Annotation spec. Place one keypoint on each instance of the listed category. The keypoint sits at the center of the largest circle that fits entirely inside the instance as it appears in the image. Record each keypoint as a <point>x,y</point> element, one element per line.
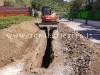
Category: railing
<point>87,15</point>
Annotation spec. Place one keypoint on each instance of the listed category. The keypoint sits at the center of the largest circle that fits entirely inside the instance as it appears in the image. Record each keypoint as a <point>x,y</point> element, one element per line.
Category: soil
<point>78,52</point>
<point>71,53</point>
<point>20,48</point>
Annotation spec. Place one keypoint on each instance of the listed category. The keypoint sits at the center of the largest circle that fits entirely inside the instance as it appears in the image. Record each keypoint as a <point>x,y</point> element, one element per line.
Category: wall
<point>89,22</point>
<point>94,23</point>
<point>12,11</point>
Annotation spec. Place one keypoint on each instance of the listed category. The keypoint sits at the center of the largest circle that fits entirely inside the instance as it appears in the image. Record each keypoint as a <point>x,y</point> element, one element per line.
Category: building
<point>87,1</point>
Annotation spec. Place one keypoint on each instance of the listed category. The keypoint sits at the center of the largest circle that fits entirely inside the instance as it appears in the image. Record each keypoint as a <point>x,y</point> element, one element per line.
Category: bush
<point>6,22</point>
<point>7,3</point>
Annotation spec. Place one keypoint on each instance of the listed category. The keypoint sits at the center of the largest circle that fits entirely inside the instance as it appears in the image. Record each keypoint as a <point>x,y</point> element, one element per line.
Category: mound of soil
<point>17,41</point>
<point>79,52</point>
<point>72,54</point>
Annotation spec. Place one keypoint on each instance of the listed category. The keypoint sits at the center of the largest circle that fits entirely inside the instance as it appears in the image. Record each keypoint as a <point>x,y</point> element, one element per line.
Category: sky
<point>67,0</point>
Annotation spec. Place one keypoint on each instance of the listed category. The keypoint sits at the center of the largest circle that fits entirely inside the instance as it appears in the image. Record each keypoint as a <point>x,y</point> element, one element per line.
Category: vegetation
<point>77,6</point>
<point>79,9</point>
<point>96,5</point>
<point>57,5</point>
<point>22,3</point>
<point>18,3</point>
<point>7,3</point>
<point>6,22</point>
<point>81,5</point>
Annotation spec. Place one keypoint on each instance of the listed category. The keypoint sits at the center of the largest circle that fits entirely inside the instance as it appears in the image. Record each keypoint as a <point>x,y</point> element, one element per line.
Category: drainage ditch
<point>48,57</point>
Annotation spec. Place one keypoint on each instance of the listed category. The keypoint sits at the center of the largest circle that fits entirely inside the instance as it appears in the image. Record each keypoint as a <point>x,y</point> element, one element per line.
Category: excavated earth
<point>80,55</point>
<point>70,53</point>
<point>21,48</point>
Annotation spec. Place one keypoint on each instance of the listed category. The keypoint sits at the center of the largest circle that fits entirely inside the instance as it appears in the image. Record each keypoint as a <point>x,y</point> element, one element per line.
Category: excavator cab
<point>47,15</point>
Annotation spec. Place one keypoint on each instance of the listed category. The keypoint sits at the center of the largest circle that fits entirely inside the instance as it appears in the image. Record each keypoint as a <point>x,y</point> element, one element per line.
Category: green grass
<point>6,22</point>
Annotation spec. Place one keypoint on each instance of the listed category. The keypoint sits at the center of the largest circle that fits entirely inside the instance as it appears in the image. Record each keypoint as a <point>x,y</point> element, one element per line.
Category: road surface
<point>93,33</point>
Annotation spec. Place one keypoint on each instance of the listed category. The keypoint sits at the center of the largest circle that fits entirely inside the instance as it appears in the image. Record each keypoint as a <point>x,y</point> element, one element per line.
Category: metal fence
<point>13,11</point>
<point>86,15</point>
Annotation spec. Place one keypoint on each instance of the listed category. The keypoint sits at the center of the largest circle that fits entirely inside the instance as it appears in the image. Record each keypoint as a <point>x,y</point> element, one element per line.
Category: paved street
<point>88,31</point>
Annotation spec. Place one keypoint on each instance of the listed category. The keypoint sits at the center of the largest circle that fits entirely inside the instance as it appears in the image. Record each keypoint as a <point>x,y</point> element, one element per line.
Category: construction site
<point>50,45</point>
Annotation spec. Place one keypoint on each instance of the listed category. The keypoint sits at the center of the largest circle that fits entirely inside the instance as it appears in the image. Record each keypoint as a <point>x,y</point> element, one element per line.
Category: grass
<point>6,22</point>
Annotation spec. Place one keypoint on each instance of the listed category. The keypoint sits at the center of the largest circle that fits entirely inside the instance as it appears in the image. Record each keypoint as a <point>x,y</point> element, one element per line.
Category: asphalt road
<point>93,33</point>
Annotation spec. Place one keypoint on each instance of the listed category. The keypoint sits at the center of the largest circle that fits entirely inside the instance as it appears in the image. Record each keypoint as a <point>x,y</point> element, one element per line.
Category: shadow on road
<point>91,32</point>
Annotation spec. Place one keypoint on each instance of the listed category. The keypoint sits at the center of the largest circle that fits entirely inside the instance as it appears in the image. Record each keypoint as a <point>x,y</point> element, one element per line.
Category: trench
<point>48,57</point>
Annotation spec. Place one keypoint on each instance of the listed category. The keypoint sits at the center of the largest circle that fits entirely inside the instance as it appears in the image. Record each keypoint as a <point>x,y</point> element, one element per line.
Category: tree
<point>7,3</point>
<point>57,5</point>
<point>22,3</point>
<point>88,6</point>
<point>96,5</point>
<point>76,5</point>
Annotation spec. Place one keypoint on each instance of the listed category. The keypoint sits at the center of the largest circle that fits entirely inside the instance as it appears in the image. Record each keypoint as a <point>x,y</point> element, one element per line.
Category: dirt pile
<point>79,52</point>
<point>20,45</point>
<point>72,54</point>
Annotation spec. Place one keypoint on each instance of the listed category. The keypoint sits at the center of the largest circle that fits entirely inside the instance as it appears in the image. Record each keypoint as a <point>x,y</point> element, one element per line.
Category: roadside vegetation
<point>82,5</point>
<point>6,22</point>
<point>17,3</point>
<point>86,10</point>
<point>56,5</point>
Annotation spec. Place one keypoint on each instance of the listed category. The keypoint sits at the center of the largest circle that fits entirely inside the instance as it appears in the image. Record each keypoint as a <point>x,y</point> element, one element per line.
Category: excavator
<point>49,19</point>
<point>48,15</point>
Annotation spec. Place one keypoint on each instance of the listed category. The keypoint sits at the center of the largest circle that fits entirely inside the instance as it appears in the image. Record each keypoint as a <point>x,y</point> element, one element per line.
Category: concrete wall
<point>82,21</point>
<point>89,22</point>
<point>79,20</point>
<point>75,20</point>
<point>94,23</point>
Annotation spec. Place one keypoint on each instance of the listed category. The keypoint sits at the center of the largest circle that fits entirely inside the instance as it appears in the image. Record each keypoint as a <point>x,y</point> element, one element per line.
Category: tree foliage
<point>57,5</point>
<point>21,3</point>
<point>96,5</point>
<point>7,3</point>
<point>76,5</point>
<point>81,5</point>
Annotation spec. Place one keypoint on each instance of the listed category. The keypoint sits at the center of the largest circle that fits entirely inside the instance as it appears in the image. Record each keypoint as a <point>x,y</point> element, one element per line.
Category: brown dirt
<point>79,52</point>
<point>14,47</point>
<point>71,55</point>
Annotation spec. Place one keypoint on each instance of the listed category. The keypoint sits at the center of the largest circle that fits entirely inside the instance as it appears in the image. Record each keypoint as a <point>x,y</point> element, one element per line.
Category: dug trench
<point>48,57</point>
<point>69,56</point>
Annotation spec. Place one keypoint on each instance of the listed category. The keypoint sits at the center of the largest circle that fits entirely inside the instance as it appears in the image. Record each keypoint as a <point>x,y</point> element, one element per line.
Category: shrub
<point>7,3</point>
<point>6,22</point>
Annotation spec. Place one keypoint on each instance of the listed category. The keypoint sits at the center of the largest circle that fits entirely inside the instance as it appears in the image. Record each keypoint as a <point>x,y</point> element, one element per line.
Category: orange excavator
<point>49,20</point>
<point>48,15</point>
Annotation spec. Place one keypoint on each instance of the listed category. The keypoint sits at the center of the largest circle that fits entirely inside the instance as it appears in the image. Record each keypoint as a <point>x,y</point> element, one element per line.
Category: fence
<point>13,11</point>
<point>87,15</point>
